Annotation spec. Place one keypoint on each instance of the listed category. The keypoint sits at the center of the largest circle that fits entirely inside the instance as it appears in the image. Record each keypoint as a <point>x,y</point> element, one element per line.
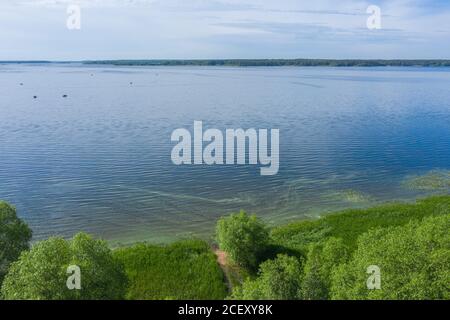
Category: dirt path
<point>222,260</point>
<point>221,257</point>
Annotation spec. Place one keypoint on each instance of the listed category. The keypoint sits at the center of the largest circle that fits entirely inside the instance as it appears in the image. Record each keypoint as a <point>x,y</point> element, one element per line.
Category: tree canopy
<point>322,258</point>
<point>14,237</point>
<point>244,237</point>
<point>278,279</point>
<point>42,272</point>
<point>414,263</point>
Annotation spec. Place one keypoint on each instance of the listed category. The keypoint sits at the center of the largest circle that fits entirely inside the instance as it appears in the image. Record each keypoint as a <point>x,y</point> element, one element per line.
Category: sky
<point>224,29</point>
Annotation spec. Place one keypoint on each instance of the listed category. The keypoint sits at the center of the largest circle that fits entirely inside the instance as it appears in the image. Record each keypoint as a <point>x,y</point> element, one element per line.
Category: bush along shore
<point>394,251</point>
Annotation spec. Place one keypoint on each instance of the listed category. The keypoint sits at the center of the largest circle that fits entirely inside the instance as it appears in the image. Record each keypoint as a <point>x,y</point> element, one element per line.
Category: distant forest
<point>279,63</point>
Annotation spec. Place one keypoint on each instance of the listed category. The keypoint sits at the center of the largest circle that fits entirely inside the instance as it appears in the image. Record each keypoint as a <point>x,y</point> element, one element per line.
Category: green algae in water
<point>436,180</point>
<point>351,196</point>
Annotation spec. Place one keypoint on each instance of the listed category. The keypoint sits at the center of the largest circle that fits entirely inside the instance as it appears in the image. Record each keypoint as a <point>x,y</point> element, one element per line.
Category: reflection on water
<point>98,160</point>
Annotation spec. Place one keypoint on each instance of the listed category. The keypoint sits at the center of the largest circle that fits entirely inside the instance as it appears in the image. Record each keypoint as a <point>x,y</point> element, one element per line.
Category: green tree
<point>41,273</point>
<point>249,290</point>
<point>14,237</point>
<point>322,259</point>
<point>278,279</point>
<point>414,263</point>
<point>244,237</point>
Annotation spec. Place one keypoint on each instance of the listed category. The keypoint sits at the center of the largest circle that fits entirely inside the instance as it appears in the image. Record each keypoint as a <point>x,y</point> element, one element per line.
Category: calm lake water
<point>99,159</point>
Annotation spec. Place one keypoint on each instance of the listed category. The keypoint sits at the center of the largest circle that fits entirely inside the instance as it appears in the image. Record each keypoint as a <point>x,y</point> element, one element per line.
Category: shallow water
<point>99,159</point>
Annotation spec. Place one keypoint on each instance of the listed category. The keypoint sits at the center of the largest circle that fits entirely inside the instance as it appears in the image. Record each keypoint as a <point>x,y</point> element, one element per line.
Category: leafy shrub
<point>414,262</point>
<point>14,237</point>
<point>244,237</point>
<point>322,259</point>
<point>41,273</point>
<point>278,279</point>
<point>350,224</point>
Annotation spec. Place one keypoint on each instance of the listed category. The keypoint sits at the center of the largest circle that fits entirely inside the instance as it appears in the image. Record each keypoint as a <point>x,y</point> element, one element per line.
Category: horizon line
<point>220,59</point>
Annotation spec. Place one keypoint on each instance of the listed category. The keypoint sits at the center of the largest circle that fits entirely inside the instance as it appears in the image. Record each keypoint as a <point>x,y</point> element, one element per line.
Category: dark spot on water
<point>64,95</point>
<point>34,97</point>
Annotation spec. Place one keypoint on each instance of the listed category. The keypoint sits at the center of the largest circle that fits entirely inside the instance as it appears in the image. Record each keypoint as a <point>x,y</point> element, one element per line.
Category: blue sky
<point>196,29</point>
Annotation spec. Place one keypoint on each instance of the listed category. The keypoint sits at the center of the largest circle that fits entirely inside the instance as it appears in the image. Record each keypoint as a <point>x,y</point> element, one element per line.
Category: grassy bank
<point>324,258</point>
<point>348,225</point>
<point>182,270</point>
<point>189,269</point>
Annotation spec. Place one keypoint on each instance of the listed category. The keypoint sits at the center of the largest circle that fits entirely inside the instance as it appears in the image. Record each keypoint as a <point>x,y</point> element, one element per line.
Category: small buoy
<point>64,95</point>
<point>131,83</point>
<point>21,84</point>
<point>34,97</point>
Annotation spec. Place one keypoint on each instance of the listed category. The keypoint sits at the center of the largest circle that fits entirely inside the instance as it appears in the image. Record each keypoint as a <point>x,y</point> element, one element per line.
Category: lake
<point>99,159</point>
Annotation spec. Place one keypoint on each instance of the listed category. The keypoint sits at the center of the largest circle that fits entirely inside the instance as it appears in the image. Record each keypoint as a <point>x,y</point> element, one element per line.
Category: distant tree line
<point>278,63</point>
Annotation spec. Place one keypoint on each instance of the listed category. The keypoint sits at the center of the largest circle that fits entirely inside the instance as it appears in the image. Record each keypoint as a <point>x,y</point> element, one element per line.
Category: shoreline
<point>125,242</point>
<point>145,236</point>
<point>340,63</point>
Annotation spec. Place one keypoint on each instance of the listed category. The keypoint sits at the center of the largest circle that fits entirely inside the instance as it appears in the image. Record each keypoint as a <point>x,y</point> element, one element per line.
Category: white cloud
<point>223,28</point>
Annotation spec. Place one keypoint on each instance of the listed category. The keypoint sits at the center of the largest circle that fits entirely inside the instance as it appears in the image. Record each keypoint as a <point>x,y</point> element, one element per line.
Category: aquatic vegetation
<point>352,196</point>
<point>185,196</point>
<point>436,180</point>
<point>350,224</point>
